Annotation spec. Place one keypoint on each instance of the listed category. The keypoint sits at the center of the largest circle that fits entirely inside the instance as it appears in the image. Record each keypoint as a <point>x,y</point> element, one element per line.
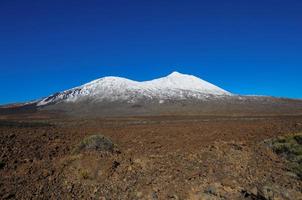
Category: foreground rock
<point>174,157</point>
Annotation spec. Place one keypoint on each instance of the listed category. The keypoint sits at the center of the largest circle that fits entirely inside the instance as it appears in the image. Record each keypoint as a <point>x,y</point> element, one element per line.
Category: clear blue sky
<point>244,46</point>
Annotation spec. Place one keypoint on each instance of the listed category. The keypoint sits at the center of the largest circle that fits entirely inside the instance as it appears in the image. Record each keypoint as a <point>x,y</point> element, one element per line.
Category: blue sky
<point>243,46</point>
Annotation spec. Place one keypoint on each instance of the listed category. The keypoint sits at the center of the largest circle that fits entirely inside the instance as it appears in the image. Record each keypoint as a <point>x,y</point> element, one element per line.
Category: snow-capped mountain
<point>175,94</point>
<point>175,86</point>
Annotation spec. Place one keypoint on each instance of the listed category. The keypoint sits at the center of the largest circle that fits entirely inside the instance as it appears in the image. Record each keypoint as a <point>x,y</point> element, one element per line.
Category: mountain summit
<point>175,86</point>
<point>173,94</point>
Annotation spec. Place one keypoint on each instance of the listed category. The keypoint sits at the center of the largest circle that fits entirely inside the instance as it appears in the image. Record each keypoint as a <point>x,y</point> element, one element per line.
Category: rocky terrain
<point>176,137</point>
<point>155,157</point>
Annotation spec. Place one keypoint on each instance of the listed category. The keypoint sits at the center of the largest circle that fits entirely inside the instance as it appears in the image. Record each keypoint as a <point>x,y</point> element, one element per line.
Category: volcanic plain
<point>154,157</point>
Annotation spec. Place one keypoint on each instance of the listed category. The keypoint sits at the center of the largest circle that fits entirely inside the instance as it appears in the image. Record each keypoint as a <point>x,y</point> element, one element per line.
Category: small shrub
<point>297,149</point>
<point>298,138</point>
<point>84,174</point>
<point>95,142</point>
<point>290,147</point>
<point>299,159</point>
<point>281,140</point>
<point>297,169</point>
<point>281,148</point>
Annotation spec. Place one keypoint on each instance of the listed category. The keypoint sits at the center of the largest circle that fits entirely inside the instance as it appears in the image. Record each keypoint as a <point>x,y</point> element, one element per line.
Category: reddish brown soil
<point>171,157</point>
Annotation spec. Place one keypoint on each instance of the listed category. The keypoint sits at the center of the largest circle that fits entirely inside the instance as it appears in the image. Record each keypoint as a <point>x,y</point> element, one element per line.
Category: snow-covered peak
<point>174,86</point>
<point>176,74</point>
<point>177,80</point>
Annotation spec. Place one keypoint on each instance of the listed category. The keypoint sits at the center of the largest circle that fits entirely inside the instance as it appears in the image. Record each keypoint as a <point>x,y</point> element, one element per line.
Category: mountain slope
<point>175,86</point>
<point>175,94</point>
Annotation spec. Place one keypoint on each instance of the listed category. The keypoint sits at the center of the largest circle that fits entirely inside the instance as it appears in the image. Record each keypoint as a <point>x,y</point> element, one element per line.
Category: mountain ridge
<point>174,94</point>
<point>111,88</point>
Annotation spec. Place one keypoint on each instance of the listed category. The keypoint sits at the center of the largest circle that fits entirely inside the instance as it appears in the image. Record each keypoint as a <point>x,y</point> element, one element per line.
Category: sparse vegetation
<point>95,142</point>
<point>290,147</point>
<point>179,157</point>
<point>84,174</point>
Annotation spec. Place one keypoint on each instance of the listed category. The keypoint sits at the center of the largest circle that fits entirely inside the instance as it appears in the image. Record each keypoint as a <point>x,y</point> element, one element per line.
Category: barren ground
<point>161,157</point>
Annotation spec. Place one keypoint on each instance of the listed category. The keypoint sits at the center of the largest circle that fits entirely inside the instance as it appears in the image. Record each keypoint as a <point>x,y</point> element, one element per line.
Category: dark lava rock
<point>2,164</point>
